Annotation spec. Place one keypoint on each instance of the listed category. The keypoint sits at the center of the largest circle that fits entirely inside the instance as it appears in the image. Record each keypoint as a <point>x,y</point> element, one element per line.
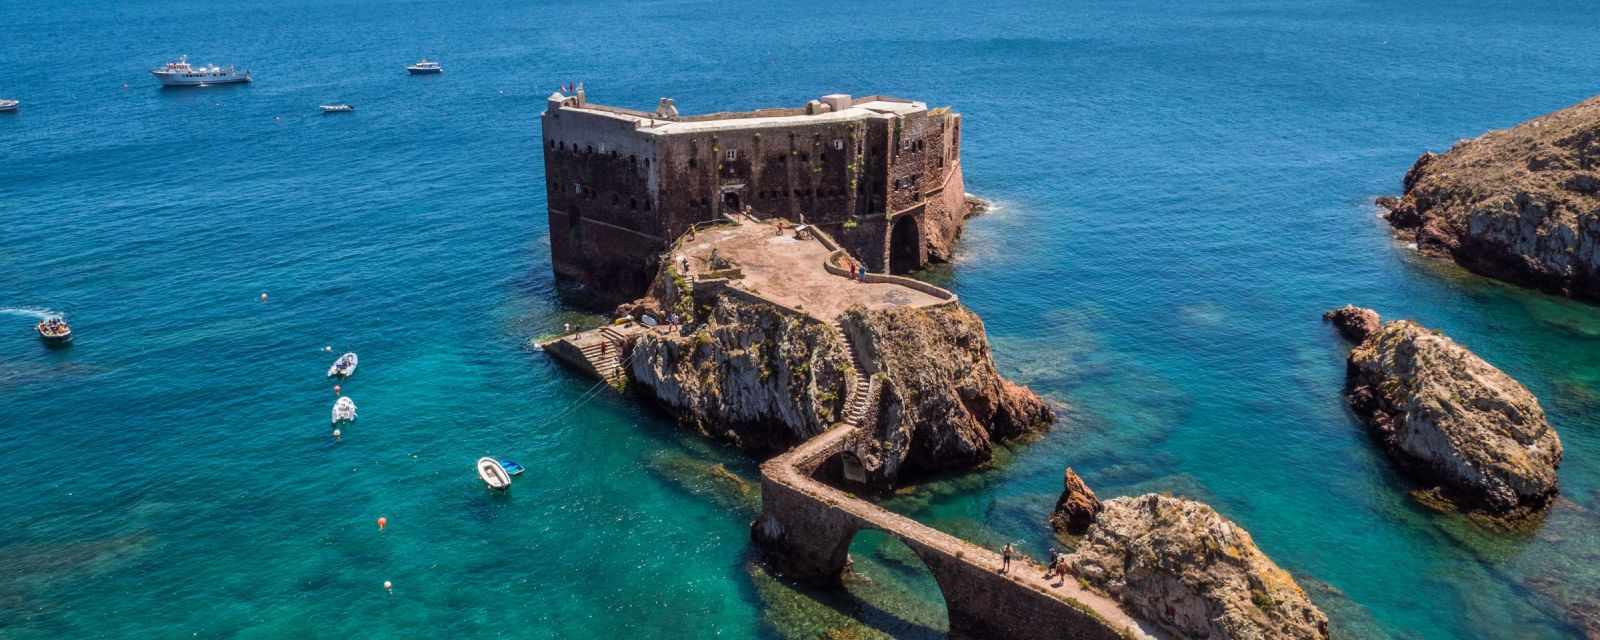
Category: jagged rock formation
<point>748,373</point>
<point>942,403</point>
<point>1076,508</point>
<point>1450,418</point>
<point>767,379</point>
<point>1520,204</point>
<point>1353,322</point>
<point>1180,564</point>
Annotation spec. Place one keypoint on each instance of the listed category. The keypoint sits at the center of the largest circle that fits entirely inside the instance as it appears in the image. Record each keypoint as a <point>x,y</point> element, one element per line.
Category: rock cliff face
<point>1450,418</point>
<point>767,379</point>
<point>1076,508</point>
<point>748,373</point>
<point>942,403</point>
<point>1181,565</point>
<point>1520,204</point>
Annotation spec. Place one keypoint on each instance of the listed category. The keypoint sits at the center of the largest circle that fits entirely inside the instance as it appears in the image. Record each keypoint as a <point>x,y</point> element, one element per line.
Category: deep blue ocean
<point>1182,188</point>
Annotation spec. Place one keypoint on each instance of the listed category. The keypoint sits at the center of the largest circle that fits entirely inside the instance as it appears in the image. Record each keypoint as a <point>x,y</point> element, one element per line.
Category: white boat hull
<point>199,79</point>
<point>493,475</point>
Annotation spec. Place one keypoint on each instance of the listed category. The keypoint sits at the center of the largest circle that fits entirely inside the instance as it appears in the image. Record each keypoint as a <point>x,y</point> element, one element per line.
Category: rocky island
<point>1519,204</point>
<point>1472,434</point>
<point>1182,565</point>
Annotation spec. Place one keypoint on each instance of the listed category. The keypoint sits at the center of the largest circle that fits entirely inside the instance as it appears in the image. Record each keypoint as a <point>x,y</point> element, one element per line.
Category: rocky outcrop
<point>941,403</point>
<point>1454,421</point>
<point>1076,508</point>
<point>767,379</point>
<point>1180,564</point>
<point>1353,322</point>
<point>748,373</point>
<point>1520,204</point>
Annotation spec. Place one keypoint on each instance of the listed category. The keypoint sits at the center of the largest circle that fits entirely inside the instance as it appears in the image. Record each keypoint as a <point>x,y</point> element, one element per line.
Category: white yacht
<point>424,66</point>
<point>8,105</point>
<point>179,73</point>
<point>337,108</point>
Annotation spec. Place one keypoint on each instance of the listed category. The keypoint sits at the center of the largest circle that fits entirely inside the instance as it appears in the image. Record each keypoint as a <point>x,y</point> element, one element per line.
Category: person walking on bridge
<point>1005,558</point>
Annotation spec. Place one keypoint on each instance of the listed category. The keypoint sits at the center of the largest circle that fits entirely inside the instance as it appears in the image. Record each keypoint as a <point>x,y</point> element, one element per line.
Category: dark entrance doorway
<point>905,246</point>
<point>730,202</point>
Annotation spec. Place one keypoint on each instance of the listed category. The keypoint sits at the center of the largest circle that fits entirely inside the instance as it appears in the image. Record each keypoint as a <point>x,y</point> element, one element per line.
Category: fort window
<point>588,148</point>
<point>693,163</point>
<point>562,146</point>
<point>838,144</point>
<point>552,144</point>
<point>633,204</point>
<point>731,155</point>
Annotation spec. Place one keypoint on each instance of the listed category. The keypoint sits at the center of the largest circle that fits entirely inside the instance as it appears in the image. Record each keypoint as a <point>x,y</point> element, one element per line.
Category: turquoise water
<point>1182,189</point>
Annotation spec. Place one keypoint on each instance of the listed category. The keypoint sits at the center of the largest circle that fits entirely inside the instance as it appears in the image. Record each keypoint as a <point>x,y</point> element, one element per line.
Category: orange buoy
<point>382,522</point>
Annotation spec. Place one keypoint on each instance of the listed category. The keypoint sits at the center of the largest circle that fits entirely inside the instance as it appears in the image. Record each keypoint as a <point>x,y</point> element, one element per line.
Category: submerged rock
<point>1180,564</point>
<point>1520,204</point>
<point>1077,506</point>
<point>1451,418</point>
<point>1353,322</point>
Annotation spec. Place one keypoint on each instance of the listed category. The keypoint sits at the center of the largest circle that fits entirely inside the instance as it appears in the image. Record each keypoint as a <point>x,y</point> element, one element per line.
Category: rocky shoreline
<point>1519,204</point>
<point>1473,435</point>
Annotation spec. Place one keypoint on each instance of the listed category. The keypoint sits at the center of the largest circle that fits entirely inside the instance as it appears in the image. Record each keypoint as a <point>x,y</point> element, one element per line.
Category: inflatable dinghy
<point>493,475</point>
<point>344,367</point>
<point>344,410</point>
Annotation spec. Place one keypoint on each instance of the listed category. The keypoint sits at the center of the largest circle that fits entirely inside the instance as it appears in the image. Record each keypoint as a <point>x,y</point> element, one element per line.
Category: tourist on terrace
<point>1005,558</point>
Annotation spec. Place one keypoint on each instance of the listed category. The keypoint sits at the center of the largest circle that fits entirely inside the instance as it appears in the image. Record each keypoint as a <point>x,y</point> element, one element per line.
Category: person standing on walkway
<point>1005,558</point>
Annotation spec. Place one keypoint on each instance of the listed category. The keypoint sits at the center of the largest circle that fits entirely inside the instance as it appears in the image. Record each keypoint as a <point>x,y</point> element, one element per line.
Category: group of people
<point>1056,569</point>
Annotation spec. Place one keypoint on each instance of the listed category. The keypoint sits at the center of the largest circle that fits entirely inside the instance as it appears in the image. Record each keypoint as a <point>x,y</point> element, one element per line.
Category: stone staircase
<point>856,405</point>
<point>605,356</point>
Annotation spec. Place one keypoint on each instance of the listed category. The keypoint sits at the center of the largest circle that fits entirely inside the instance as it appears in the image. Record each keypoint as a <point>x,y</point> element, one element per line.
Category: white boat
<point>493,475</point>
<point>337,108</point>
<point>179,73</point>
<point>344,367</point>
<point>9,105</point>
<point>344,410</point>
<point>424,67</point>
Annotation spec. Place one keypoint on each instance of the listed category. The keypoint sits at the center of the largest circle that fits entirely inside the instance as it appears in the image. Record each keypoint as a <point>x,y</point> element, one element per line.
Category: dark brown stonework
<point>882,175</point>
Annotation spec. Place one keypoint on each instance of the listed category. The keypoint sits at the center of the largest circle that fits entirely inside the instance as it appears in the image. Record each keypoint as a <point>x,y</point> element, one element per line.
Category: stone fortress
<point>880,174</point>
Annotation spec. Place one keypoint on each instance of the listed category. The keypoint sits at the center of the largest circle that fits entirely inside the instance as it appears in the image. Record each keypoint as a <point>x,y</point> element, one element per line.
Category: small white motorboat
<point>9,105</point>
<point>493,475</point>
<point>337,108</point>
<point>344,367</point>
<point>344,410</point>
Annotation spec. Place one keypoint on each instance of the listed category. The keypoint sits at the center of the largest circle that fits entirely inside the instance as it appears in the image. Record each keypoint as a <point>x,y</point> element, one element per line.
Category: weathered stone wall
<point>605,230</point>
<point>618,194</point>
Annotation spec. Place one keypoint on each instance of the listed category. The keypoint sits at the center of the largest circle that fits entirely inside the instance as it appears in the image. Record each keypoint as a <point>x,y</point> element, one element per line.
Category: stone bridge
<point>806,527</point>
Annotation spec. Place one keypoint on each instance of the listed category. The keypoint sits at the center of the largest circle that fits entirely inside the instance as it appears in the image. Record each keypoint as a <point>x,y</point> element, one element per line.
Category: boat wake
<point>28,312</point>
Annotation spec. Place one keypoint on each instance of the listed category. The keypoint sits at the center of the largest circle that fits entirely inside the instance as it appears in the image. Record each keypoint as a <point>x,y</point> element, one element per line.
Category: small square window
<point>731,155</point>
<point>838,144</point>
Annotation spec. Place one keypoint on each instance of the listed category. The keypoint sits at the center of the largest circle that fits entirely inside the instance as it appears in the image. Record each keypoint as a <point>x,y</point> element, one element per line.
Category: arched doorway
<point>730,202</point>
<point>905,246</point>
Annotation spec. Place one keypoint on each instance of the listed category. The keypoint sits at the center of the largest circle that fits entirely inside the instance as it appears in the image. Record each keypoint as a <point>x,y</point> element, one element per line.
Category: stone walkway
<point>788,270</point>
<point>786,470</point>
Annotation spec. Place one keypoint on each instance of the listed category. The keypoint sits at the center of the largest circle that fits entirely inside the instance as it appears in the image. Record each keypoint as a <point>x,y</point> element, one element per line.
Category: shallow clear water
<point>1182,189</point>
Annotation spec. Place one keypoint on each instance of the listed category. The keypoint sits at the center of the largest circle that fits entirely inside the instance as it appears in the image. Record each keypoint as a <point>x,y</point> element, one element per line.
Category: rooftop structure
<point>881,174</point>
